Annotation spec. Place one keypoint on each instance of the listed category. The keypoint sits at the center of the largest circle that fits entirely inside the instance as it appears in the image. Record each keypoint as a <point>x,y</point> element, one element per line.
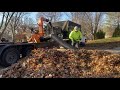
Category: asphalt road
<point>114,50</point>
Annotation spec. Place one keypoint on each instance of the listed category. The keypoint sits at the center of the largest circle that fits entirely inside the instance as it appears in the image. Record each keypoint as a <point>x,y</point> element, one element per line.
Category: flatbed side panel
<point>45,45</point>
<point>39,45</point>
<point>7,43</point>
<point>21,46</point>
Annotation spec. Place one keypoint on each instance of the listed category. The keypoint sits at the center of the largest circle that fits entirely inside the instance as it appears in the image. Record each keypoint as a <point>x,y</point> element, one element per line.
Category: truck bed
<point>37,45</point>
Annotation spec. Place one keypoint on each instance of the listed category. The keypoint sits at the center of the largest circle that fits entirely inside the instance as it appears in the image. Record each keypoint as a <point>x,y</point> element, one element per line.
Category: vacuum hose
<point>61,42</point>
<point>58,40</point>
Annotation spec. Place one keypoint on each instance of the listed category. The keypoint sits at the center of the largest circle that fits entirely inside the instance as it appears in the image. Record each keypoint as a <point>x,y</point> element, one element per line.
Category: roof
<point>61,23</point>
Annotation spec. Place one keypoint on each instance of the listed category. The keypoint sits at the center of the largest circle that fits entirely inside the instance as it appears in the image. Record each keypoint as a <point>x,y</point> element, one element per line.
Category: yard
<point>88,62</point>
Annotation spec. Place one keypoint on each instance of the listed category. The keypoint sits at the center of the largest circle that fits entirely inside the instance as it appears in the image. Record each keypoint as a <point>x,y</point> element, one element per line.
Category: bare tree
<point>94,19</point>
<point>77,16</point>
<point>2,21</point>
<point>28,21</point>
<point>112,22</point>
<point>27,27</point>
<point>113,18</point>
<point>53,16</point>
<point>7,16</point>
<point>15,23</point>
<point>89,21</point>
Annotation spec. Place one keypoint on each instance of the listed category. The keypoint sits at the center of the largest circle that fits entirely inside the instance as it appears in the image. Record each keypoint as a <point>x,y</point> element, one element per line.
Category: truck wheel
<point>10,56</point>
<point>26,52</point>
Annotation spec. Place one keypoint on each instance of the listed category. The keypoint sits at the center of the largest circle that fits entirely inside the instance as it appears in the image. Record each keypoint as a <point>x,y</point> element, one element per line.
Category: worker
<point>83,40</point>
<point>75,36</point>
<point>35,37</point>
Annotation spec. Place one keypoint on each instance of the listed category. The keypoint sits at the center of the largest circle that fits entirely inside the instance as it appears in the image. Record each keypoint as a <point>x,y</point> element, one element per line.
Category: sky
<point>63,18</point>
<point>33,16</point>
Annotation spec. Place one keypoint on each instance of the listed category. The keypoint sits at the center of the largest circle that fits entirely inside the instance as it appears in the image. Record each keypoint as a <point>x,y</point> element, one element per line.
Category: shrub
<point>116,32</point>
<point>100,34</point>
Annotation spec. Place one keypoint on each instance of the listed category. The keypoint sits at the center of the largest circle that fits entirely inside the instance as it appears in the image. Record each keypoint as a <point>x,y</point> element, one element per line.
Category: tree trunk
<point>13,35</point>
<point>2,20</point>
<point>6,24</point>
<point>2,33</point>
<point>95,37</point>
<point>95,31</point>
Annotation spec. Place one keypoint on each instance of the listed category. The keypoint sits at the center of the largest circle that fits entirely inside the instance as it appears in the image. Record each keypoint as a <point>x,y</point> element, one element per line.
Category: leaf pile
<point>51,63</point>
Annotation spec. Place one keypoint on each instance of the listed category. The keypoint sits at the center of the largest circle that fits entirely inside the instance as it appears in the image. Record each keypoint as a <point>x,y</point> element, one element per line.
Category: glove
<point>78,40</point>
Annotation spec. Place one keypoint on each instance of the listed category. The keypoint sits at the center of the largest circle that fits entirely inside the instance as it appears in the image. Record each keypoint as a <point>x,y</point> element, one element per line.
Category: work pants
<point>75,44</point>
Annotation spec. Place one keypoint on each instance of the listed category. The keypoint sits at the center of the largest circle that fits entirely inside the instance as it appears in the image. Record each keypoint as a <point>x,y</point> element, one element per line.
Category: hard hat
<point>76,28</point>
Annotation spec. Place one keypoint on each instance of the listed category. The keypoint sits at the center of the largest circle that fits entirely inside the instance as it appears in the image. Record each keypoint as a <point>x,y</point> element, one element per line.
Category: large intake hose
<point>61,42</point>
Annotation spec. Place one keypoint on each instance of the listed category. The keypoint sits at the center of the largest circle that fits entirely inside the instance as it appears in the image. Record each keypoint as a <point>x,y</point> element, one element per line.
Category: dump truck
<point>11,52</point>
<point>62,28</point>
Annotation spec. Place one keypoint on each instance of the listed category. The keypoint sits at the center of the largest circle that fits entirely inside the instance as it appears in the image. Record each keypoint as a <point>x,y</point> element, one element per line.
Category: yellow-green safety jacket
<point>75,36</point>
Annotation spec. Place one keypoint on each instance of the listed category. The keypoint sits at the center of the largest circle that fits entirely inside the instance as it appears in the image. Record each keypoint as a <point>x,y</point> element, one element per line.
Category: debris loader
<point>11,52</point>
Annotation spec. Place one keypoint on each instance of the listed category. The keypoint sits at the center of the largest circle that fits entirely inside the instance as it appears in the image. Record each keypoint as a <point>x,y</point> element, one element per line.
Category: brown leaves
<point>51,63</point>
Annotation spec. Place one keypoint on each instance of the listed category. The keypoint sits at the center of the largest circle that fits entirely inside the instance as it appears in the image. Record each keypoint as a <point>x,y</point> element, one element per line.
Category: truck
<point>11,52</point>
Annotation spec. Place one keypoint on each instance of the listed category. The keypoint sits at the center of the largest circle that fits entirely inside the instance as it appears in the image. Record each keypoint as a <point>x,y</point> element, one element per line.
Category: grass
<point>113,39</point>
<point>103,43</point>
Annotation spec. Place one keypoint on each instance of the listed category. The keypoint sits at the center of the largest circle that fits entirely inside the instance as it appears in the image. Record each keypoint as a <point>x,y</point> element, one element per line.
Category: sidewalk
<point>114,50</point>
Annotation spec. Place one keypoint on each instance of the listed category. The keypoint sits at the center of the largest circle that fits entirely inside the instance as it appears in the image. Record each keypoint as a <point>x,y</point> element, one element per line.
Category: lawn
<point>108,43</point>
<point>108,40</point>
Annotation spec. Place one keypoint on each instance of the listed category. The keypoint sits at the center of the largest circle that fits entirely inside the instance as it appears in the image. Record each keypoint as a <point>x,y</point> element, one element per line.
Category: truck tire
<point>26,52</point>
<point>9,57</point>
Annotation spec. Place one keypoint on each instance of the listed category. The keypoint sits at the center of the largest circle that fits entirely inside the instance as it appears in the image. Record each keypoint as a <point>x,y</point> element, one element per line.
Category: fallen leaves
<point>51,63</point>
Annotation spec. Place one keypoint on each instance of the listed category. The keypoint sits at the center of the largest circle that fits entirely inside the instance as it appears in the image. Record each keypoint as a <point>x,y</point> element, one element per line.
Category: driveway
<point>114,50</point>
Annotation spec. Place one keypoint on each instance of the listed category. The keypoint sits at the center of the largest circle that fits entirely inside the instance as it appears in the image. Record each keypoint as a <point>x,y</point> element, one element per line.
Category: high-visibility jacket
<point>35,38</point>
<point>75,36</point>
